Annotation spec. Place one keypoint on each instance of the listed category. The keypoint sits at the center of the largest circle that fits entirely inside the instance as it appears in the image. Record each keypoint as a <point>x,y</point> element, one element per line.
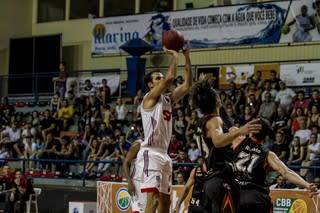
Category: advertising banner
<point>204,28</point>
<point>300,74</point>
<point>114,198</point>
<point>259,23</point>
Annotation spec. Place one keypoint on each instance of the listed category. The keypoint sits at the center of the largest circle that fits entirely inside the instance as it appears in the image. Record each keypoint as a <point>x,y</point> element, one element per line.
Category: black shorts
<point>252,200</point>
<point>219,191</point>
<point>197,209</point>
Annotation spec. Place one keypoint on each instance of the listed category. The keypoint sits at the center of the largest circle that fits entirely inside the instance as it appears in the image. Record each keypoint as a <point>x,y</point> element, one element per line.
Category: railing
<point>83,163</point>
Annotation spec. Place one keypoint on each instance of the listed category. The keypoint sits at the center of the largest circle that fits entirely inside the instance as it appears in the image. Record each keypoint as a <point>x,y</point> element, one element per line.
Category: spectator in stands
<point>66,153</point>
<point>88,118</point>
<point>300,102</point>
<point>279,146</point>
<point>89,89</point>
<point>50,148</point>
<point>192,123</point>
<point>94,154</point>
<point>233,93</point>
<point>65,115</point>
<point>55,103</point>
<point>17,192</point>
<point>29,150</point>
<point>3,120</point>
<point>11,134</point>
<point>268,89</point>
<point>194,152</point>
<point>303,133</point>
<point>249,115</point>
<point>73,101</point>
<point>296,117</point>
<point>267,143</point>
<point>47,124</point>
<point>313,158</point>
<point>104,131</point>
<point>60,81</point>
<point>35,122</point>
<point>281,121</point>
<point>174,146</point>
<point>137,105</point>
<point>134,133</point>
<point>180,126</point>
<point>35,156</point>
<point>315,129</point>
<point>121,113</point>
<point>314,100</point>
<point>7,108</point>
<point>257,79</point>
<point>105,92</point>
<point>179,179</point>
<point>230,118</point>
<point>313,117</point>
<point>109,154</point>
<point>275,81</point>
<point>4,154</point>
<point>254,93</point>
<point>280,184</point>
<point>297,154</point>
<point>94,104</point>
<point>85,140</point>
<point>6,180</point>
<point>182,157</point>
<point>285,97</point>
<point>268,107</point>
<point>107,116</point>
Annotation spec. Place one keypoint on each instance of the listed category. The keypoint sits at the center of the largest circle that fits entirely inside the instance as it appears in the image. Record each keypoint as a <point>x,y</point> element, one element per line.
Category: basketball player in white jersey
<point>156,113</point>
<point>138,199</point>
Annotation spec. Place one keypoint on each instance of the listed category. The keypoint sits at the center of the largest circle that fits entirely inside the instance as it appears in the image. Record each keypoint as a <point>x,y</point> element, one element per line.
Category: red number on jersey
<point>166,115</point>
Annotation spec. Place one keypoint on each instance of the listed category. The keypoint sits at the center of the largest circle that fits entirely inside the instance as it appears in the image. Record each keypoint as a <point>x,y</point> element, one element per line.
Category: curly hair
<point>204,97</point>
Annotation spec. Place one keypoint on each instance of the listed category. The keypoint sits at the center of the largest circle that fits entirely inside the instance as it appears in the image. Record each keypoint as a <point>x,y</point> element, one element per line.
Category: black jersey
<point>197,198</point>
<point>220,160</point>
<point>251,164</point>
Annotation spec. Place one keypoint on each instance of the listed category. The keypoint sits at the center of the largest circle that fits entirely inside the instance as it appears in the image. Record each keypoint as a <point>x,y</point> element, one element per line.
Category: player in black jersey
<point>219,185</point>
<point>252,163</point>
<point>198,202</point>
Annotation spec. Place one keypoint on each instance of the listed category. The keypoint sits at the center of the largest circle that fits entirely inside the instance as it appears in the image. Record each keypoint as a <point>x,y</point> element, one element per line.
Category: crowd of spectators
<point>104,129</point>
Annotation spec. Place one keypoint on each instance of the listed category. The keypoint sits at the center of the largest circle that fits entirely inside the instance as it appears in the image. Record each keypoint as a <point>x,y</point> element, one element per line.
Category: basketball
<point>173,40</point>
<point>285,29</point>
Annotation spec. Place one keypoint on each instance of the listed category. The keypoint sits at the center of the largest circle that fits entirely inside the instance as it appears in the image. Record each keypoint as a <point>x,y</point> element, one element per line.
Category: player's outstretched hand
<point>253,126</point>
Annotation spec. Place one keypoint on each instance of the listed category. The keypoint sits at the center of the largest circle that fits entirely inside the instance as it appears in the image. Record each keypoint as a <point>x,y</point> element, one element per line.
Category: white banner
<point>300,74</point>
<point>204,28</point>
<point>78,83</point>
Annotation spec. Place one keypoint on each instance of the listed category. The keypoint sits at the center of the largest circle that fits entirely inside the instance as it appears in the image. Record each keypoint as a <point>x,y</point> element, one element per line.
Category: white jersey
<point>157,124</point>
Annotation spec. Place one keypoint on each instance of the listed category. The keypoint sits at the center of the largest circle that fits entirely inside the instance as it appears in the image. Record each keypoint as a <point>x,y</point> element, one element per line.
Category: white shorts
<point>156,181</point>
<point>155,170</point>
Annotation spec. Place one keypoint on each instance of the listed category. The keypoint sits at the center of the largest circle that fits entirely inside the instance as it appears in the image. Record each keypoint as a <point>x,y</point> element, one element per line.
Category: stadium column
<point>136,68</point>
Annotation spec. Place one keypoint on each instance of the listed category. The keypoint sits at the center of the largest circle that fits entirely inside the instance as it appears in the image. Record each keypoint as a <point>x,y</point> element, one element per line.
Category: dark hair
<point>148,78</point>
<point>265,129</point>
<point>204,97</point>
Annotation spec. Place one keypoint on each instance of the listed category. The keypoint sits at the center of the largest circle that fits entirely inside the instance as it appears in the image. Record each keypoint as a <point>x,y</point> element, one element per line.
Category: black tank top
<point>251,164</point>
<point>220,160</point>
<point>198,197</point>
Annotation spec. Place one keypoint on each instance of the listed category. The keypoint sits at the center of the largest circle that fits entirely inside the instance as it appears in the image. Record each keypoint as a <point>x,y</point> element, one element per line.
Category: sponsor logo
<point>123,200</point>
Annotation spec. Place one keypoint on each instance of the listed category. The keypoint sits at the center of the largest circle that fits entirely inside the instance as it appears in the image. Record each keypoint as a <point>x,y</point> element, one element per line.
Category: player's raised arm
<point>180,91</point>
<point>157,83</point>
